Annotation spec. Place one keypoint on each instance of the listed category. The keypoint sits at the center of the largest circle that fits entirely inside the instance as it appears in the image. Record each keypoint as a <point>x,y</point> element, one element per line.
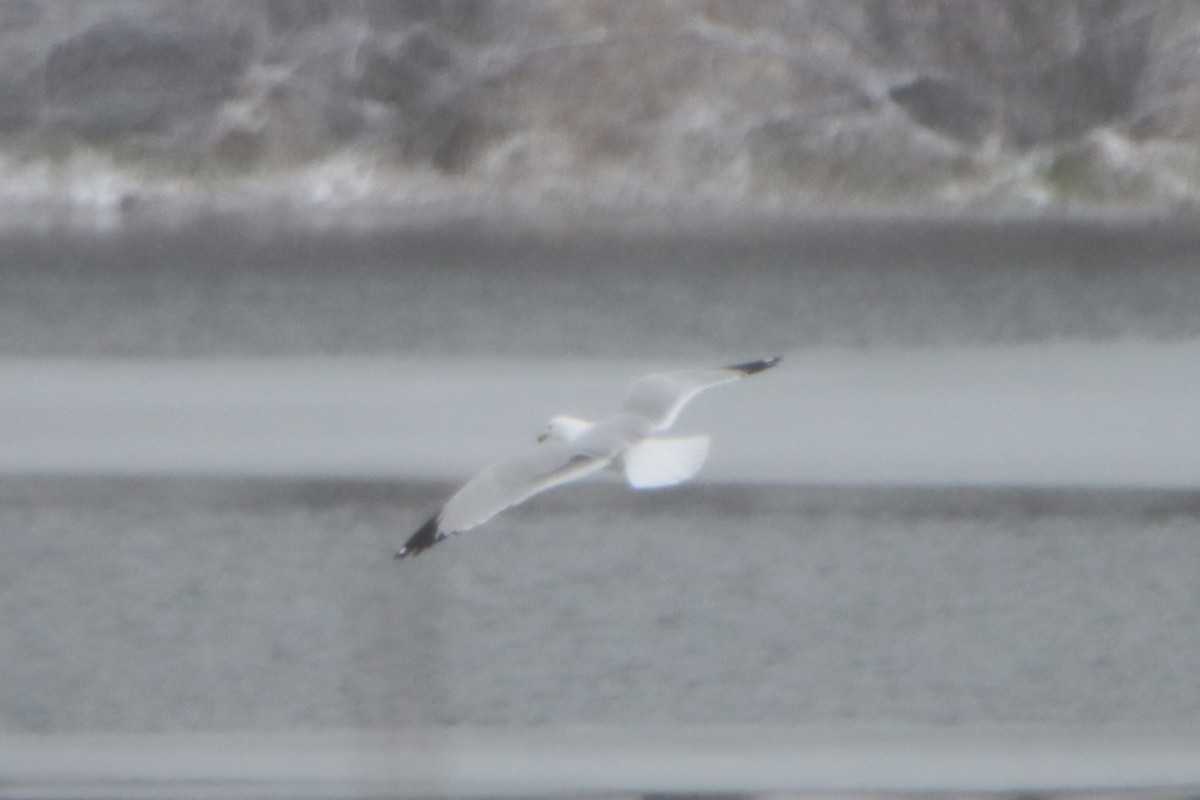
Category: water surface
<point>175,605</point>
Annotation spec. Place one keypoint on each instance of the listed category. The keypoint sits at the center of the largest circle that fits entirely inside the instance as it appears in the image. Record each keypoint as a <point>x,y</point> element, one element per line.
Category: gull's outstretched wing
<point>502,486</point>
<point>659,398</point>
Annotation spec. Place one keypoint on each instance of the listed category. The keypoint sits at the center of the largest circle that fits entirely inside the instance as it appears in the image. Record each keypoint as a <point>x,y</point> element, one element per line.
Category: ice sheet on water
<point>1118,414</point>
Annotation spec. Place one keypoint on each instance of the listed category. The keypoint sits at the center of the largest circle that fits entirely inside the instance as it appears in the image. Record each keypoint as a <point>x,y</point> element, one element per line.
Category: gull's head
<point>564,429</point>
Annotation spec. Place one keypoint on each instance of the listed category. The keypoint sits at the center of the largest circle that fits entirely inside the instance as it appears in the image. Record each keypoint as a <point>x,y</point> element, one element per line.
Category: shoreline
<point>516,217</point>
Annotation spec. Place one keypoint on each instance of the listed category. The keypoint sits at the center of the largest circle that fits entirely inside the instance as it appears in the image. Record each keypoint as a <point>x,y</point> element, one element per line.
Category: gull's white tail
<point>664,461</point>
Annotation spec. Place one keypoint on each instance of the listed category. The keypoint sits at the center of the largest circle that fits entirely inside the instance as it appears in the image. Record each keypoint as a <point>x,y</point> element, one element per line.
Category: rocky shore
<point>372,112</point>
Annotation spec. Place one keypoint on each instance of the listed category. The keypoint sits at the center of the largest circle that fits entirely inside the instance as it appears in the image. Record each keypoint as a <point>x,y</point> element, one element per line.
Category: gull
<point>572,448</point>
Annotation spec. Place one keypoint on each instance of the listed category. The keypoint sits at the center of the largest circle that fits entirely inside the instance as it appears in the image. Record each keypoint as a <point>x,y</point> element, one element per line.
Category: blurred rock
<point>20,14</point>
<point>405,73</point>
<point>855,102</point>
<point>18,104</point>
<point>1168,99</point>
<point>128,76</point>
<point>947,107</point>
<point>427,97</point>
<point>1055,69</point>
<point>272,119</point>
<point>465,19</point>
<point>290,16</point>
<point>880,158</point>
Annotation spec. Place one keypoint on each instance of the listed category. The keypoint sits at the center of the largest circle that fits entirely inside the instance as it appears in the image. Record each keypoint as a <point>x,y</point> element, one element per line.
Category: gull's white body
<point>653,462</point>
<point>575,447</point>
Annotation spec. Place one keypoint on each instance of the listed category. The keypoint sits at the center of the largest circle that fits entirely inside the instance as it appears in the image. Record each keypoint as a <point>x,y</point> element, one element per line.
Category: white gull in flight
<point>572,448</point>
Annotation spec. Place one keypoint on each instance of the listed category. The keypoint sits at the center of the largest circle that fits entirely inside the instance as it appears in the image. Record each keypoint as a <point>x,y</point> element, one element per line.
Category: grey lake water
<point>156,605</point>
<point>145,593</point>
<point>233,288</point>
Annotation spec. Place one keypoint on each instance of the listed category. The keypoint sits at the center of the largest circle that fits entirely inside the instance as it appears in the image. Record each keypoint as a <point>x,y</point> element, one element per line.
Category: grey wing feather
<point>660,397</point>
<point>510,482</point>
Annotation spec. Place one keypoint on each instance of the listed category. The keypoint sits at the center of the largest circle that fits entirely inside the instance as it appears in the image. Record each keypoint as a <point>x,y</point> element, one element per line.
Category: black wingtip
<point>751,367</point>
<point>425,538</point>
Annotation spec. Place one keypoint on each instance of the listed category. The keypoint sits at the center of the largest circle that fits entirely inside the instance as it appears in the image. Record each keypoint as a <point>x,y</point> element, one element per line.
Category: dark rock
<point>451,138</point>
<point>343,115</point>
<point>787,90</point>
<point>1055,70</point>
<point>879,161</point>
<point>18,105</point>
<point>240,146</point>
<point>20,14</point>
<point>1168,99</point>
<point>947,107</point>
<point>124,76</point>
<point>274,118</point>
<point>1094,84</point>
<point>464,19</point>
<point>435,116</point>
<point>290,16</point>
<point>402,75</point>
